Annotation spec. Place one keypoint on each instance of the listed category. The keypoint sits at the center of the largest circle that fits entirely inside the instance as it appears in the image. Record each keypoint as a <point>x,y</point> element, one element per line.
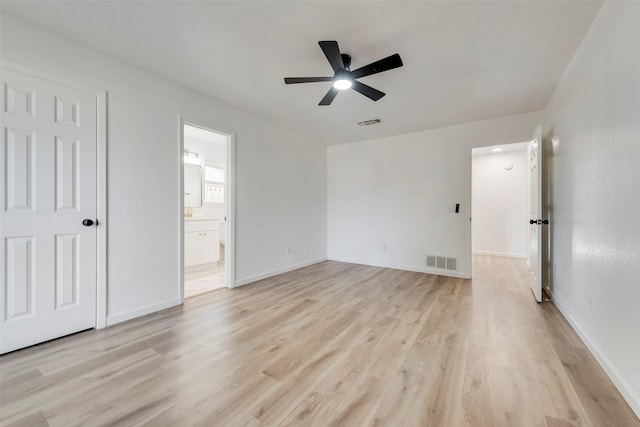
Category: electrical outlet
<point>555,269</point>
<point>289,249</point>
<point>591,301</point>
<point>384,247</point>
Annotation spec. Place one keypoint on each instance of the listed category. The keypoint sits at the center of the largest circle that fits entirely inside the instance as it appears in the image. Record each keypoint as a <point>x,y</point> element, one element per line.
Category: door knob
<point>87,222</point>
<point>539,221</point>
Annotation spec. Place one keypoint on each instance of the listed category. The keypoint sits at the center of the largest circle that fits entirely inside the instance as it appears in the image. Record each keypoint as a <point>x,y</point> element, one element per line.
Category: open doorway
<point>207,209</point>
<point>499,200</point>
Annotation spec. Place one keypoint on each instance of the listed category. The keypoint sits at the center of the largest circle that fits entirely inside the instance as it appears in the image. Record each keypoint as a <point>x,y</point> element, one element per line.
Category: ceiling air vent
<point>370,122</point>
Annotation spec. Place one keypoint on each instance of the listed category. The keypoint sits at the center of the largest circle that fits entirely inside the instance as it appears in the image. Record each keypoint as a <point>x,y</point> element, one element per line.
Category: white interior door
<point>535,208</point>
<point>48,187</point>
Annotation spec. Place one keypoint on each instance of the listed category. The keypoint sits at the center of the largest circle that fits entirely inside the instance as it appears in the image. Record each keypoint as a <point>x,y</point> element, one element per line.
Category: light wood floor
<point>198,280</point>
<point>329,344</point>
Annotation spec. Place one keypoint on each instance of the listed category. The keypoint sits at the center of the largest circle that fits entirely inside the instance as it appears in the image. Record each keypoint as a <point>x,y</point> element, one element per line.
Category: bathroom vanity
<point>201,241</point>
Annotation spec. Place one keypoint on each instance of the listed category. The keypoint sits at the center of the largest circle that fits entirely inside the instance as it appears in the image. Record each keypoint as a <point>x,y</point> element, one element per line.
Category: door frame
<point>229,193</point>
<point>508,148</point>
<point>101,179</point>
<point>469,230</point>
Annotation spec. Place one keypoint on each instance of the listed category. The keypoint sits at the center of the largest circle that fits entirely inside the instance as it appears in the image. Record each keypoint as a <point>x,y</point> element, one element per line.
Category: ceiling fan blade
<point>367,91</point>
<point>385,64</point>
<point>292,80</point>
<point>328,98</point>
<point>332,52</point>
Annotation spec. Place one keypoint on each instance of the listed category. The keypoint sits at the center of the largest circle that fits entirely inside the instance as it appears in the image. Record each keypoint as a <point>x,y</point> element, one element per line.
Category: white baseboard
<point>504,254</point>
<point>272,273</point>
<point>627,393</point>
<point>152,308</point>
<point>459,275</point>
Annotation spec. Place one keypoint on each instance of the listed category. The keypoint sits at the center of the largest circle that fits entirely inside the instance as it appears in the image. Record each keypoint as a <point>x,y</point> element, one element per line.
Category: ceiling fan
<point>343,77</point>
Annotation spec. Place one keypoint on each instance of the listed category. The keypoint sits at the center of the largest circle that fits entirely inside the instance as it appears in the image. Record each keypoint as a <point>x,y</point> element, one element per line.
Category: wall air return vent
<point>370,122</point>
<point>431,261</point>
<point>452,264</point>
<point>442,262</point>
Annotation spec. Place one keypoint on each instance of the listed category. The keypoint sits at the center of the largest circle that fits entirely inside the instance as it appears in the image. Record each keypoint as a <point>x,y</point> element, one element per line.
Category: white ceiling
<point>463,61</point>
<point>499,149</point>
<point>194,133</point>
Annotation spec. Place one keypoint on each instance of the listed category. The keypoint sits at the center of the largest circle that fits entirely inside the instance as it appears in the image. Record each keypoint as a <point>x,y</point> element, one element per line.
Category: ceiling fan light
<point>342,84</point>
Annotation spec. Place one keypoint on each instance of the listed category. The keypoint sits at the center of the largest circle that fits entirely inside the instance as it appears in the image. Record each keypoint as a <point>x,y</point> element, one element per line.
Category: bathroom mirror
<point>192,186</point>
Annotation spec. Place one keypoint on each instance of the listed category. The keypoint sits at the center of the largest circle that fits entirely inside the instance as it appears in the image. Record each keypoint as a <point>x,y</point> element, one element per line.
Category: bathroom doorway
<point>207,209</point>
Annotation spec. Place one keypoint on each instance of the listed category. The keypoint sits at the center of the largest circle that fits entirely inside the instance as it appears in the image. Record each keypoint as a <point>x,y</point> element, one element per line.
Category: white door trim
<point>229,247</point>
<point>101,181</point>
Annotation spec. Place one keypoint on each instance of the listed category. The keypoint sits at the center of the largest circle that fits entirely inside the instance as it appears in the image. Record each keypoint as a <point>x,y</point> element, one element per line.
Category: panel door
<point>48,186</point>
<point>535,209</point>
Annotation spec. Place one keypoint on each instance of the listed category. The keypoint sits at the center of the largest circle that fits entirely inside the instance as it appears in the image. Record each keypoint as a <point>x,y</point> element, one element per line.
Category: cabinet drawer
<point>191,226</point>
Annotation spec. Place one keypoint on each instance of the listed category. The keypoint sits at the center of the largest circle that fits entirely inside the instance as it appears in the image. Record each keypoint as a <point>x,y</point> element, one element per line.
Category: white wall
<point>214,150</point>
<point>593,139</point>
<point>499,201</point>
<point>280,176</point>
<point>389,198</point>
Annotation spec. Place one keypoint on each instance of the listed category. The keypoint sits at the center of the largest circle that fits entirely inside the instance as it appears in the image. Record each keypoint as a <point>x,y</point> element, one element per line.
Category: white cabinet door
<point>210,246</point>
<point>192,249</point>
<point>47,188</point>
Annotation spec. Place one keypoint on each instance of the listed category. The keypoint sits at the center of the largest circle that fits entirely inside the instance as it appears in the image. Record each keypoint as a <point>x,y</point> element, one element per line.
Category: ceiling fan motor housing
<point>346,60</point>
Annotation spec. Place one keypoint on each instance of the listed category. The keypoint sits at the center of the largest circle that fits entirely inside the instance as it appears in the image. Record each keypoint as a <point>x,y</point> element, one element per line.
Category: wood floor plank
<point>328,344</point>
<point>37,419</point>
